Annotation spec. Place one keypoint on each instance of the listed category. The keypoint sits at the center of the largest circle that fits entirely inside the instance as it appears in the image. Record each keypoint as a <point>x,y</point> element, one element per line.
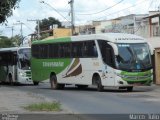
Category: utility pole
<point>12,28</point>
<point>38,24</point>
<point>72,16</point>
<point>21,30</point>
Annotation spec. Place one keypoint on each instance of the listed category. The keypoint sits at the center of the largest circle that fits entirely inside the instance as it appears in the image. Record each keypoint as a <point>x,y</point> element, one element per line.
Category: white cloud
<point>16,13</point>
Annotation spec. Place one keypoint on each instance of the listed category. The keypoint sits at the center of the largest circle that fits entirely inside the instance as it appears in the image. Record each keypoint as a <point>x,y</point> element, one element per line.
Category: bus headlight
<point>120,75</point>
<point>22,74</point>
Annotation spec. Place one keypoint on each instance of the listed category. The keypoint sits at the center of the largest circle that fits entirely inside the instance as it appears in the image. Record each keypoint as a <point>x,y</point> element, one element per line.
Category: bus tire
<point>54,83</point>
<point>130,89</point>
<point>97,81</point>
<point>35,83</point>
<point>10,79</point>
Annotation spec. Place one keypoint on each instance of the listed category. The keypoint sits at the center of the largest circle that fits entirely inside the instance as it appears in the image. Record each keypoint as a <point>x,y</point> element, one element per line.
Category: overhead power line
<point>103,10</point>
<point>29,28</point>
<point>38,24</point>
<point>43,2</point>
<point>150,4</point>
<point>21,30</point>
<point>123,9</point>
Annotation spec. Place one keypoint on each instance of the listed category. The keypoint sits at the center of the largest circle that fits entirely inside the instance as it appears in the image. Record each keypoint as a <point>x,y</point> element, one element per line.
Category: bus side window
<point>60,51</point>
<point>77,49</point>
<point>2,59</point>
<point>109,58</point>
<point>44,51</point>
<point>53,51</point>
<point>14,59</point>
<point>73,50</point>
<point>89,49</point>
<point>35,51</point>
<point>94,49</point>
<point>67,50</point>
<point>106,52</point>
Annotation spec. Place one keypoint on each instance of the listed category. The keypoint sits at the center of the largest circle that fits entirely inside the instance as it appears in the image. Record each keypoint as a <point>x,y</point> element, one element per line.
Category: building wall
<point>85,29</point>
<point>61,32</point>
<point>104,25</point>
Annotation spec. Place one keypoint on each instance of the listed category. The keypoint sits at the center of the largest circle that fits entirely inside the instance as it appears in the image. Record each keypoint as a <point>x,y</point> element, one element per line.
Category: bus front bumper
<point>25,80</point>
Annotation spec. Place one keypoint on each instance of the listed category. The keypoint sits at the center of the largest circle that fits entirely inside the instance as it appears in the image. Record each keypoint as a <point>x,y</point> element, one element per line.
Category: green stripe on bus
<point>42,68</point>
<point>137,77</point>
<point>136,73</point>
<point>66,39</point>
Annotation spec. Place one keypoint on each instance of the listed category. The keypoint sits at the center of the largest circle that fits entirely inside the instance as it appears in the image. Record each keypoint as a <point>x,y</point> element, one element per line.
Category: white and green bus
<point>111,59</point>
<point>15,65</point>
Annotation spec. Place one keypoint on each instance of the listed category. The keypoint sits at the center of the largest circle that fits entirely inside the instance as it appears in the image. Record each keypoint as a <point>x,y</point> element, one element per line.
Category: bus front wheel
<point>35,83</point>
<point>98,82</point>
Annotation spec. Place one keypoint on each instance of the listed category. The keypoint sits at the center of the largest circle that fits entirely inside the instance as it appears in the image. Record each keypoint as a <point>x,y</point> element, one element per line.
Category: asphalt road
<point>142,100</point>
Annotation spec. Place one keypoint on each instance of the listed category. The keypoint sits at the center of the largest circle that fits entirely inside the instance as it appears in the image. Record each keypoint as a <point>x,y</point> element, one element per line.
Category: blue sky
<point>33,9</point>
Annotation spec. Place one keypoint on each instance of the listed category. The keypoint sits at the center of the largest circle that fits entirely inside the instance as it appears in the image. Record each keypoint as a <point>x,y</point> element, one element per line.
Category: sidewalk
<point>150,89</point>
<point>13,101</point>
<point>156,88</point>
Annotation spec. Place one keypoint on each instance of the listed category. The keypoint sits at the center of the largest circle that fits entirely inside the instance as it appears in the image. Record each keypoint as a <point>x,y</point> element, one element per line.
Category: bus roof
<point>11,49</point>
<point>111,37</point>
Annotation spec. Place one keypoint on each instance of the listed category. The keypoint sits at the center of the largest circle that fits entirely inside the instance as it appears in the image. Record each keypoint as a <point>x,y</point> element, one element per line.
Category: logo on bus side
<point>53,64</point>
<point>75,68</point>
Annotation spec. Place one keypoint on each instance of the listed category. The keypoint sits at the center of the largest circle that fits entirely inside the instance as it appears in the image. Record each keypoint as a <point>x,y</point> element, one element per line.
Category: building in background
<point>52,33</point>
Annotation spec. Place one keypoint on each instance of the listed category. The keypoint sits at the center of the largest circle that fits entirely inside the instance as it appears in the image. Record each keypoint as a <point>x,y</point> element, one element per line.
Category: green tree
<point>17,40</point>
<point>10,42</point>
<point>5,42</point>
<point>46,23</point>
<point>6,7</point>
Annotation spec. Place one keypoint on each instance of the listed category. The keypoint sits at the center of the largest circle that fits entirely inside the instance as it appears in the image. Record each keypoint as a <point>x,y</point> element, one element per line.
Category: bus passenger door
<point>109,67</point>
<point>107,55</point>
<point>110,77</point>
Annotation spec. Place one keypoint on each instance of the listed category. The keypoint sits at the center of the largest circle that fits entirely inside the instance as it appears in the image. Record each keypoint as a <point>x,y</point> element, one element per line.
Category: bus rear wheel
<point>54,83</point>
<point>10,79</point>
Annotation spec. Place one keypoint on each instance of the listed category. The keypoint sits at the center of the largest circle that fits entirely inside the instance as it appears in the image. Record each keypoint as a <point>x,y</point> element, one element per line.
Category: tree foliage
<point>6,7</point>
<point>10,42</point>
<point>5,42</point>
<point>46,23</point>
<point>17,40</point>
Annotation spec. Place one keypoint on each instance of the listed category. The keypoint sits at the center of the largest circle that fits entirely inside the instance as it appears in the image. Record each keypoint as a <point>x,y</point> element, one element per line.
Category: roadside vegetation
<point>45,106</point>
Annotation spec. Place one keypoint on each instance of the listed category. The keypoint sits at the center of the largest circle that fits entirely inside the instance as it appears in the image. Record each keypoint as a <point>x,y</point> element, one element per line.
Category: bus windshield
<point>24,56</point>
<point>133,57</point>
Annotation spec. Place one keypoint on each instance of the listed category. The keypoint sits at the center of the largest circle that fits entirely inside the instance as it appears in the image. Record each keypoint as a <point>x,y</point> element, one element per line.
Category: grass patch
<point>45,106</point>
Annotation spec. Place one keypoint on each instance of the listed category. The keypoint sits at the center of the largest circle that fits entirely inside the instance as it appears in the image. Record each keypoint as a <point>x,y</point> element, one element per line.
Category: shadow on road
<point>15,84</point>
<point>43,86</point>
<point>114,90</point>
